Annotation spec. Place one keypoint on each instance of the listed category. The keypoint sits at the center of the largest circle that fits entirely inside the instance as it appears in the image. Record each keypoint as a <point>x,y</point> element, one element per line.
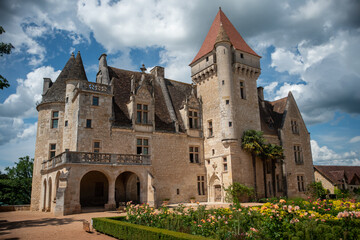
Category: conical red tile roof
<point>235,38</point>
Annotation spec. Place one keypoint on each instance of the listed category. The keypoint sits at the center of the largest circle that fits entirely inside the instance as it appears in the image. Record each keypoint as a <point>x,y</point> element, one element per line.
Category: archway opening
<point>49,199</point>
<point>44,196</point>
<point>127,188</point>
<point>94,188</point>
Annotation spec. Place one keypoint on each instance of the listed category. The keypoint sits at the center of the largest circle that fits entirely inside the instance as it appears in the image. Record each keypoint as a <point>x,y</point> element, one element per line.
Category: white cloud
<point>28,92</point>
<point>325,156</point>
<point>355,139</point>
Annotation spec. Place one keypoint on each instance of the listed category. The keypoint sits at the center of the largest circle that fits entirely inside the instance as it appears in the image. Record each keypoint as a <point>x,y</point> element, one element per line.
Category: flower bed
<point>298,219</point>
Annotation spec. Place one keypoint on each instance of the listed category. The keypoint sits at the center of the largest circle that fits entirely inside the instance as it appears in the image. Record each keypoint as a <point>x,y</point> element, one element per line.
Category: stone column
<point>111,204</point>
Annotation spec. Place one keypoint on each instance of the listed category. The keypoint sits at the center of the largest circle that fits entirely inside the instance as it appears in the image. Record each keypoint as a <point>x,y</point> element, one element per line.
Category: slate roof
<point>271,115</point>
<point>74,69</point>
<point>235,38</point>
<point>122,91</point>
<point>336,174</point>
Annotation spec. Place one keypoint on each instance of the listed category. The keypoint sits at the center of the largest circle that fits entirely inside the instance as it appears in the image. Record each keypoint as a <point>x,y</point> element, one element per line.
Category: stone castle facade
<point>137,136</point>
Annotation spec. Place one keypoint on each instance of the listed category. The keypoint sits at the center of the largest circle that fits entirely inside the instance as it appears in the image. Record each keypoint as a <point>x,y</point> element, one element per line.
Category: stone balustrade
<point>96,87</point>
<point>96,158</point>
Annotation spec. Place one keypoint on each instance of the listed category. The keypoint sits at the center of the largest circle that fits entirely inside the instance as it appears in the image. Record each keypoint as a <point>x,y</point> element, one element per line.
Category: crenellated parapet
<point>246,71</point>
<point>204,74</point>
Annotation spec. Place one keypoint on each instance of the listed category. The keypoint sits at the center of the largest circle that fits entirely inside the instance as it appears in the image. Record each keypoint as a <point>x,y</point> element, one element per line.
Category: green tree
<point>15,186</point>
<point>253,142</point>
<point>316,190</point>
<point>5,48</point>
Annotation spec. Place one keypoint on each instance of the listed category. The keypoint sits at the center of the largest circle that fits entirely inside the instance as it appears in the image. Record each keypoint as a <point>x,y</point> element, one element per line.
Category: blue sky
<point>309,47</point>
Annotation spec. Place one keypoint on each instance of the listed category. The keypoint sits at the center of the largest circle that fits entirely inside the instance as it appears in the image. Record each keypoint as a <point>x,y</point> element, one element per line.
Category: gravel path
<point>40,225</point>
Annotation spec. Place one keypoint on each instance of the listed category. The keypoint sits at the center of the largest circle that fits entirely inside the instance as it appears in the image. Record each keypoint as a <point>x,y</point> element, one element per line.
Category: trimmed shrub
<point>118,228</point>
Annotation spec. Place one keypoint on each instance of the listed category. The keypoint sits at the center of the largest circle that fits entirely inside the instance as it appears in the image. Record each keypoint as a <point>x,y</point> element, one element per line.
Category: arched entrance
<point>44,196</point>
<point>49,197</point>
<point>215,189</point>
<point>127,188</point>
<point>94,188</point>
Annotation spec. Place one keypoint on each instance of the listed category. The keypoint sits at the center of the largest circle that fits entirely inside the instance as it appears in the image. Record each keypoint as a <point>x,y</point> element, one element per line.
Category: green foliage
<point>316,190</point>
<point>238,193</point>
<point>118,228</point>
<point>252,142</point>
<point>272,152</point>
<point>5,48</point>
<point>340,193</point>
<point>15,185</point>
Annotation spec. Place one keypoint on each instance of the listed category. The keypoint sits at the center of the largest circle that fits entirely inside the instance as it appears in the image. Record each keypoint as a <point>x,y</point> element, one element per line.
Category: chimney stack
<point>46,85</point>
<point>260,91</point>
<point>158,71</point>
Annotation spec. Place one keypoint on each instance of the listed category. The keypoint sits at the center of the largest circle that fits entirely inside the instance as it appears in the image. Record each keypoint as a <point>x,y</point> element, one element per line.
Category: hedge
<point>118,228</point>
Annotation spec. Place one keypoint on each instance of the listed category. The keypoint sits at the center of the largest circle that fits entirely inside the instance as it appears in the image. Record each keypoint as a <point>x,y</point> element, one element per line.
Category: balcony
<point>96,158</point>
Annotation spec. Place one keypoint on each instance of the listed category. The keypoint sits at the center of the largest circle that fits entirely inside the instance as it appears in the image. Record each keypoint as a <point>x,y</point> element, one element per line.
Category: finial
<point>143,68</point>
<point>72,54</point>
<point>219,8</point>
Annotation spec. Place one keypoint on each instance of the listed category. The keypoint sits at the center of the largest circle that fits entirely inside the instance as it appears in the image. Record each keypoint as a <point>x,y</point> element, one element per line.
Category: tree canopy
<point>5,48</point>
<point>15,183</point>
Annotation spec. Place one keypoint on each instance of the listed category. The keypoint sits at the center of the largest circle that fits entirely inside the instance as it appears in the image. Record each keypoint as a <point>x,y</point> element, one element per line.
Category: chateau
<point>138,136</point>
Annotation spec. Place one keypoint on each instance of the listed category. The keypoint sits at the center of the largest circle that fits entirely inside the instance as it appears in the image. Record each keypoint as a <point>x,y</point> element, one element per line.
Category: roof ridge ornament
<point>143,68</point>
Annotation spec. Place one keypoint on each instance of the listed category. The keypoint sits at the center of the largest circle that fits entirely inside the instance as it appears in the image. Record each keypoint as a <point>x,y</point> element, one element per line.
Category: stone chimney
<point>103,74</point>
<point>260,91</point>
<point>158,71</point>
<point>46,85</point>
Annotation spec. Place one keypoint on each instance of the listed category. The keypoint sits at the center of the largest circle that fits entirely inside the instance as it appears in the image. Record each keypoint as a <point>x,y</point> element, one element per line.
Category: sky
<point>309,47</point>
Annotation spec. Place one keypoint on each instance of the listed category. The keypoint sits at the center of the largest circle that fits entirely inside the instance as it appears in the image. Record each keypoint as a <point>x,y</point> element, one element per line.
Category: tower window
<point>230,124</point>
<point>66,99</point>
<point>207,59</point>
<point>193,119</point>
<point>95,101</point>
<point>223,82</point>
<point>96,146</point>
<point>142,112</point>
<point>227,102</point>
<point>88,123</point>
<point>194,154</point>
<point>52,151</point>
<point>210,128</point>
<point>213,151</point>
<point>225,164</point>
<point>55,119</point>
<point>201,185</point>
<point>241,55</point>
<point>242,90</point>
<point>177,191</point>
<point>66,123</point>
<point>142,146</point>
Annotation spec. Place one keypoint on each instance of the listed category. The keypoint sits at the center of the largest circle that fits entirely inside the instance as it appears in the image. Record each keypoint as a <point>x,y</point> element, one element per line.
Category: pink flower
<point>254,230</point>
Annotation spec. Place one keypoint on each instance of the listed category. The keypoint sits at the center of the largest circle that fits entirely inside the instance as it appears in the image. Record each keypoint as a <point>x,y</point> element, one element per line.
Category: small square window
<point>95,101</point>
<point>224,159</point>
<point>213,151</point>
<point>241,55</point>
<point>230,124</point>
<point>207,59</point>
<point>66,123</point>
<point>225,167</point>
<point>223,82</point>
<point>227,102</point>
<point>88,123</point>
<point>67,99</point>
<point>178,191</point>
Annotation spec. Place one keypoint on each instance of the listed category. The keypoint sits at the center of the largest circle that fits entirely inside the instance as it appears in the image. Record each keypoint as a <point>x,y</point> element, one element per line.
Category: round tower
<point>223,50</point>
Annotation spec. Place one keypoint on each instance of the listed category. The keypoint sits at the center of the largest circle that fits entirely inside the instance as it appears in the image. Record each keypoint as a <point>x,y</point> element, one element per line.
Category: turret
<point>225,78</point>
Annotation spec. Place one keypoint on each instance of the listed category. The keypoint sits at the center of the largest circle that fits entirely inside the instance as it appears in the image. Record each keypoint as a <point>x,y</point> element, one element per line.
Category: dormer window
<point>193,119</point>
<point>142,113</point>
